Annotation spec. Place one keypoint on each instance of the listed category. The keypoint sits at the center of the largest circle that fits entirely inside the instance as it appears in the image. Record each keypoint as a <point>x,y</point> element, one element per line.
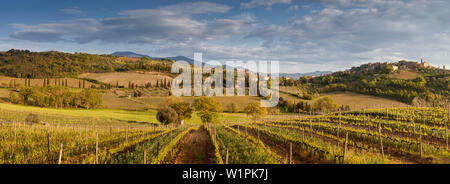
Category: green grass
<point>13,112</point>
<point>121,115</point>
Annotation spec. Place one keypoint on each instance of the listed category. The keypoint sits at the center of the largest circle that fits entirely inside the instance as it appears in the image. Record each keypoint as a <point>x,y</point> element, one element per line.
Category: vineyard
<point>415,135</point>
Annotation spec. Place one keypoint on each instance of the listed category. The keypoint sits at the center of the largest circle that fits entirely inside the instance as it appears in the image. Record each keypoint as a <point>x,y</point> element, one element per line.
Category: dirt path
<point>195,148</point>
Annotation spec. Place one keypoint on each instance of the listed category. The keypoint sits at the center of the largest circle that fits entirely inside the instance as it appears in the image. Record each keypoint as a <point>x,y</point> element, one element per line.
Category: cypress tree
<point>66,83</point>
<point>79,84</point>
<point>48,81</point>
<point>84,84</point>
<point>43,84</point>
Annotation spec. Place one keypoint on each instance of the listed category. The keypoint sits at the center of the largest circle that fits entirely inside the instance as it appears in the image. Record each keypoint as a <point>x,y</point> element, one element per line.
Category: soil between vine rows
<point>195,148</point>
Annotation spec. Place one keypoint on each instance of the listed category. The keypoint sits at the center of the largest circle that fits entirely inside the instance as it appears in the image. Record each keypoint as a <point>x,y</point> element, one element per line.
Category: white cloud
<point>255,3</point>
<point>379,31</point>
<point>160,25</point>
<point>337,35</point>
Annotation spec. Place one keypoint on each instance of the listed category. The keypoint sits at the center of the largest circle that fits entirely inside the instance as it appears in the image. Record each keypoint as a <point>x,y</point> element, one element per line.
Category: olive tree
<point>254,110</point>
<point>184,111</point>
<point>208,108</point>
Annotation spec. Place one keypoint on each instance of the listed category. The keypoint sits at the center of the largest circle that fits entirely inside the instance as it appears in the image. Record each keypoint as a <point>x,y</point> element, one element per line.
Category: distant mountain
<point>128,54</point>
<point>135,55</point>
<point>298,75</point>
<point>182,58</point>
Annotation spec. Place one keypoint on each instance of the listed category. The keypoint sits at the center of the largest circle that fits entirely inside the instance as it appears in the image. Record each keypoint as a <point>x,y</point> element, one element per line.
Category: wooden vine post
<point>310,128</point>
<point>245,130</point>
<point>145,156</point>
<point>60,154</point>
<point>258,133</point>
<point>420,139</point>
<point>339,126</point>
<point>48,145</point>
<point>171,140</point>
<point>96,149</point>
<point>446,125</point>
<point>345,147</point>
<point>126,135</point>
<point>15,134</point>
<point>85,139</point>
<point>446,135</point>
<point>364,117</point>
<point>397,119</point>
<point>157,149</point>
<point>381,141</point>
<point>319,123</point>
<point>226,158</point>
<point>303,138</point>
<point>290,153</point>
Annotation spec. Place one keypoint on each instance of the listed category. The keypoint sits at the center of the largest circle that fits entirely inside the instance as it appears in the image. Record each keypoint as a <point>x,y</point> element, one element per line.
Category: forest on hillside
<point>432,85</point>
<point>27,64</point>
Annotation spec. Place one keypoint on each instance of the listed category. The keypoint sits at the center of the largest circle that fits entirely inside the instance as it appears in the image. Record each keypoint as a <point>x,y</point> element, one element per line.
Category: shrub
<point>32,118</point>
<point>167,115</point>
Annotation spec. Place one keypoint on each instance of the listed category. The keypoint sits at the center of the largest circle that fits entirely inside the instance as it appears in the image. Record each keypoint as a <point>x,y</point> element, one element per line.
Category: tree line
<point>57,97</point>
<point>26,64</point>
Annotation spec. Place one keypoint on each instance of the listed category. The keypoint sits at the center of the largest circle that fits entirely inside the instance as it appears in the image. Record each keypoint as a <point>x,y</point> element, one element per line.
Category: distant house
<point>395,68</point>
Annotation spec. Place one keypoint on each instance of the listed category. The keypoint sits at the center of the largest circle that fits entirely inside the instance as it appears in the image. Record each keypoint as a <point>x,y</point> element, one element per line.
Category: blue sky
<point>304,35</point>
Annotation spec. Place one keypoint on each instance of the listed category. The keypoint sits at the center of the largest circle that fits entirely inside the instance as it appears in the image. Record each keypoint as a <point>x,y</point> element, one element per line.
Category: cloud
<point>74,10</point>
<point>351,32</point>
<point>336,35</point>
<point>173,23</point>
<point>255,3</point>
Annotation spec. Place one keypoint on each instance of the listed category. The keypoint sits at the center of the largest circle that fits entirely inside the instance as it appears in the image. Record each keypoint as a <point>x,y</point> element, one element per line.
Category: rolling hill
<point>135,55</point>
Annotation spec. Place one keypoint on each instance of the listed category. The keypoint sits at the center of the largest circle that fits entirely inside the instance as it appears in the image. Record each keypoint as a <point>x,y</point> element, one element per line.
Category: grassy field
<point>4,93</point>
<point>354,100</point>
<point>18,113</point>
<point>112,101</point>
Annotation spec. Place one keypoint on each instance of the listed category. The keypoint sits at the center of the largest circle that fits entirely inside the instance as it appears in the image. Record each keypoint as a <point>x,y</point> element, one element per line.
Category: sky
<point>303,35</point>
